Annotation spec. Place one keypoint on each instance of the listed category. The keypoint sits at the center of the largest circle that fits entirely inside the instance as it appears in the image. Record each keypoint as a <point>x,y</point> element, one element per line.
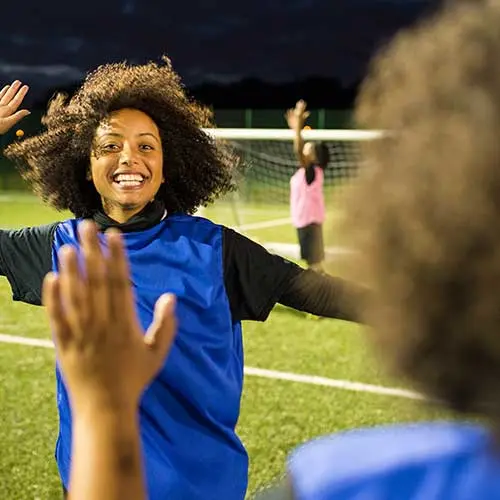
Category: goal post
<point>272,134</point>
<point>270,162</point>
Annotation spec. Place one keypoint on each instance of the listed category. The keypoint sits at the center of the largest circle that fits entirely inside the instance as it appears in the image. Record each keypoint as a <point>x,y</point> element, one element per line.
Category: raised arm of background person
<point>257,280</point>
<point>106,360</point>
<point>296,117</point>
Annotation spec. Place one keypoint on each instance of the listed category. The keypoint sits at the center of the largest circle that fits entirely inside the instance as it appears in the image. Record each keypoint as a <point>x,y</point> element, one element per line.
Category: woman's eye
<point>107,148</point>
<point>146,147</point>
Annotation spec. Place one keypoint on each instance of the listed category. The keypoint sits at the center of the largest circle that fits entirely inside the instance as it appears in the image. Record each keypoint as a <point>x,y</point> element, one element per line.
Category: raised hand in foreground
<point>106,360</point>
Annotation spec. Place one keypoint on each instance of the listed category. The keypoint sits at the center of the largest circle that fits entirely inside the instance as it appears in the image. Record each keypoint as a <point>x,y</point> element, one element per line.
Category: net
<point>271,161</point>
<point>261,206</point>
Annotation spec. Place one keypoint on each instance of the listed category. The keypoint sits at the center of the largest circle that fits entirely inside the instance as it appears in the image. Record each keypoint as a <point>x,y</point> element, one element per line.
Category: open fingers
<point>52,300</point>
<point>301,105</point>
<point>161,333</point>
<point>17,98</point>
<point>122,304</point>
<point>9,94</point>
<point>3,91</point>
<point>11,97</point>
<point>72,289</point>
<point>291,118</point>
<point>96,274</point>
<point>11,120</point>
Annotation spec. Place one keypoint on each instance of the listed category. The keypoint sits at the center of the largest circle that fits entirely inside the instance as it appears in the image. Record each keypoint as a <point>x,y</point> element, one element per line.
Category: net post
<point>248,118</point>
<point>321,118</point>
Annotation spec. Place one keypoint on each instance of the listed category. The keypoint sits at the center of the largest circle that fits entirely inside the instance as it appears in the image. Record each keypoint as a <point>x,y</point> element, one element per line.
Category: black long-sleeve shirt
<point>255,279</point>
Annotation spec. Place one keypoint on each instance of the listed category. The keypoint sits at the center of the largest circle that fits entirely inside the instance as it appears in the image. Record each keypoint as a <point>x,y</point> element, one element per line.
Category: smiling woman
<point>126,164</point>
<point>56,162</point>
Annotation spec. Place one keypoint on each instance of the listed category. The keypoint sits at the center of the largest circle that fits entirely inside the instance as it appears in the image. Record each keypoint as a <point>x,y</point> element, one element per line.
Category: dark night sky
<point>48,45</point>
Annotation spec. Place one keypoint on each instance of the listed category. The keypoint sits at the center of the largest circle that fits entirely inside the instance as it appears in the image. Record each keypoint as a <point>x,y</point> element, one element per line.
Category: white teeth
<point>127,178</point>
<point>130,183</point>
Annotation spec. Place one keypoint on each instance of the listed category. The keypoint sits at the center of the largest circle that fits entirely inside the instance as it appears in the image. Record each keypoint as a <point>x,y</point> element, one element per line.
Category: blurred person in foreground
<point>423,216</point>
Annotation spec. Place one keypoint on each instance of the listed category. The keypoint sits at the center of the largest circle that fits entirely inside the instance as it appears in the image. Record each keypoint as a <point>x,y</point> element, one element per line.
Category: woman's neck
<point>119,214</point>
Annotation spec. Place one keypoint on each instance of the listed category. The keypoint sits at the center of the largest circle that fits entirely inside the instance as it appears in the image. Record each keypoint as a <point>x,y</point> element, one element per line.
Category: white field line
<point>28,197</point>
<point>254,210</point>
<point>345,385</point>
<point>291,247</point>
<point>24,197</point>
<point>17,197</point>
<point>292,250</point>
<point>13,339</point>
<point>214,211</point>
<point>264,224</point>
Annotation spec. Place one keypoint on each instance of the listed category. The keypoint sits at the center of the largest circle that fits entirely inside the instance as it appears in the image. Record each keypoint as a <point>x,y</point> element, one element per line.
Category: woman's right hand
<point>11,97</point>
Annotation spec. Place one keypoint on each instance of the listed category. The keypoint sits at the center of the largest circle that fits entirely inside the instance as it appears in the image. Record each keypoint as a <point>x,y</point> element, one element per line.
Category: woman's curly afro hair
<point>197,170</point>
<point>425,211</point>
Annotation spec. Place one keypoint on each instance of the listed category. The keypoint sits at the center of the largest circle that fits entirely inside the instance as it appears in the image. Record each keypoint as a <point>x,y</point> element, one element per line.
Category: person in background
<point>307,203</point>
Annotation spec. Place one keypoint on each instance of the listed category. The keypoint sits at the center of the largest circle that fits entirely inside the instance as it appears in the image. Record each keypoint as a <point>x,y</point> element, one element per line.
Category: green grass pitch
<point>276,415</point>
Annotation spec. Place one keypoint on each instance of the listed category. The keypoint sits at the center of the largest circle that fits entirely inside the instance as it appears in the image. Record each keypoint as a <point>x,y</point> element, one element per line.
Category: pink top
<point>307,203</point>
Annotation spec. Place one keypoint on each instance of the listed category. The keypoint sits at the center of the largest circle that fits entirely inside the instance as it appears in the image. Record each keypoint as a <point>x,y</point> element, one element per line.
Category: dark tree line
<point>257,94</point>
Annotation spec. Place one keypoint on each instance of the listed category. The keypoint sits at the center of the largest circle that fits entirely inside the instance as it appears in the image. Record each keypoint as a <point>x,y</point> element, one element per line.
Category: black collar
<point>148,217</point>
